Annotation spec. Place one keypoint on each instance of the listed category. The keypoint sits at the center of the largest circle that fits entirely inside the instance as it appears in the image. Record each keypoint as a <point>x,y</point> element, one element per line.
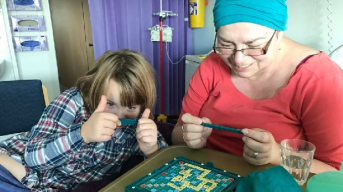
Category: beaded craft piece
<point>182,174</point>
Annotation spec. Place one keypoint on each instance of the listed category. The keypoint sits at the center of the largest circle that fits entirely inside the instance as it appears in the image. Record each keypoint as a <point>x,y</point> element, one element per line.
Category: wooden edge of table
<point>247,167</point>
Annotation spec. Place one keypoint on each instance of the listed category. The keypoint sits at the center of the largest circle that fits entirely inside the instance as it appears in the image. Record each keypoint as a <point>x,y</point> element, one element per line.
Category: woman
<point>269,86</point>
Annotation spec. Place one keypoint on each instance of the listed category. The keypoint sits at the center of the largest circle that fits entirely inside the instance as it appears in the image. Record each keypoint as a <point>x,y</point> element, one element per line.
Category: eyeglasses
<point>246,52</point>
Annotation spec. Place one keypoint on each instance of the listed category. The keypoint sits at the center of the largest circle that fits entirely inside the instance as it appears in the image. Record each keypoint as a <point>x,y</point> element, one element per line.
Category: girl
<point>79,137</point>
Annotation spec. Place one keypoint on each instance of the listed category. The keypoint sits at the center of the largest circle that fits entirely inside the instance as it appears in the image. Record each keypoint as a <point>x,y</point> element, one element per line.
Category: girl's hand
<point>101,125</point>
<point>146,134</point>
<point>260,147</point>
<point>194,134</point>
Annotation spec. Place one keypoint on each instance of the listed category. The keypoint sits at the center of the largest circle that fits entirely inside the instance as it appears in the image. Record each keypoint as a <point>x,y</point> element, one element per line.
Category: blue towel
<point>8,183</point>
<point>269,13</point>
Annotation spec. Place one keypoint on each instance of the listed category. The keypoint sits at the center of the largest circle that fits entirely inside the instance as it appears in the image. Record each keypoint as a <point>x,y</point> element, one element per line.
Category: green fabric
<point>269,13</point>
<point>328,181</point>
<point>275,179</point>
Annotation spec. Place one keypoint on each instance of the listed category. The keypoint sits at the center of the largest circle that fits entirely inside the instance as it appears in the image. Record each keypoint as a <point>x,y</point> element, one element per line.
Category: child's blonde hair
<point>130,70</point>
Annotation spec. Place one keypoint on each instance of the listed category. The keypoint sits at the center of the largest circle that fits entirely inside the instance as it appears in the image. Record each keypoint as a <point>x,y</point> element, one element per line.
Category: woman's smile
<point>242,68</point>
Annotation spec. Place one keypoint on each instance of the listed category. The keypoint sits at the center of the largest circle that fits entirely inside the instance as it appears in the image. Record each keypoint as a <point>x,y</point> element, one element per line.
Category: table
<point>220,160</point>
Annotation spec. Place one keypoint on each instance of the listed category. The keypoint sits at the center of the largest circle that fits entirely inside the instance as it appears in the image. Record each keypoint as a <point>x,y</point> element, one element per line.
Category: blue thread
<point>222,128</point>
<point>133,122</point>
<point>31,44</point>
<point>24,2</point>
<point>129,121</point>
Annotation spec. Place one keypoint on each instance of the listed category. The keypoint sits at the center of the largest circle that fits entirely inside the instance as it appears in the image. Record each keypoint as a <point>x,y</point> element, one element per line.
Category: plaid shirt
<point>54,154</point>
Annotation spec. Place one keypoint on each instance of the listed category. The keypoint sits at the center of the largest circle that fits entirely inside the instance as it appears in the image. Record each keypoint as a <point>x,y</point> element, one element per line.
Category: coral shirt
<point>309,107</point>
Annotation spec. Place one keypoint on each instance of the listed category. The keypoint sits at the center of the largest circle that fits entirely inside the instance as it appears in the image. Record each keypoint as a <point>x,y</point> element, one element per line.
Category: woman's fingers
<point>189,119</point>
<point>256,145</point>
<point>189,136</point>
<point>257,134</point>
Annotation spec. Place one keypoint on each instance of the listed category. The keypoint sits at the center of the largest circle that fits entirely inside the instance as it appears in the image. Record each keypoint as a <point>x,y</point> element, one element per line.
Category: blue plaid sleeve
<point>57,134</point>
<point>161,142</point>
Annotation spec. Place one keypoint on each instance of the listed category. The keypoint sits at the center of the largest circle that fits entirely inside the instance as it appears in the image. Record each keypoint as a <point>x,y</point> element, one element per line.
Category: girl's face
<point>247,36</point>
<point>113,103</point>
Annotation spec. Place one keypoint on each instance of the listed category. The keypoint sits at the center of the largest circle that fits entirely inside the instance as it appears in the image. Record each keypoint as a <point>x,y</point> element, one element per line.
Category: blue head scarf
<point>269,13</point>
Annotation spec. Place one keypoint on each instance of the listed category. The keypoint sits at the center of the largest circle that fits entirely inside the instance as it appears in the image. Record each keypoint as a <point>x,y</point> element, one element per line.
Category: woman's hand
<point>194,134</point>
<point>260,147</point>
<point>101,125</point>
<point>146,134</point>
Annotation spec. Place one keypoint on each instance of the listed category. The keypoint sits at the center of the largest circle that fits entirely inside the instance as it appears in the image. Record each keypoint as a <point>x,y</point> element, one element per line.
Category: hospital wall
<point>28,65</point>
<point>308,23</point>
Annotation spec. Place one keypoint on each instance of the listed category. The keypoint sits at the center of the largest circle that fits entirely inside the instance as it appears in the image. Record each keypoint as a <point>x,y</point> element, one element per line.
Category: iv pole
<point>162,15</point>
<point>161,62</point>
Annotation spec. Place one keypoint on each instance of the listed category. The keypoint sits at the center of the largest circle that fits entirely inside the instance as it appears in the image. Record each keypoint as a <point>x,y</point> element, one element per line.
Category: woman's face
<point>114,106</point>
<point>240,36</point>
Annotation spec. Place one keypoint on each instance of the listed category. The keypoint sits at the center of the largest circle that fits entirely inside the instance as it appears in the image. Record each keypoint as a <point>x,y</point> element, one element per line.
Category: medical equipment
<point>24,2</point>
<point>30,43</point>
<point>197,13</point>
<point>167,33</point>
<point>28,23</point>
<point>154,37</point>
<point>24,5</point>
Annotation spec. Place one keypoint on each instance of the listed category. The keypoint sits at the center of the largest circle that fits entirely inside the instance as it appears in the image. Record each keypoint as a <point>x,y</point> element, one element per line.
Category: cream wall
<point>8,68</point>
<point>307,24</point>
<point>29,65</point>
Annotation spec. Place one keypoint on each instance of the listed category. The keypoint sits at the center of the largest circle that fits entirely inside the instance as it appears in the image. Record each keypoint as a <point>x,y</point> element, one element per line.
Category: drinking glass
<point>296,158</point>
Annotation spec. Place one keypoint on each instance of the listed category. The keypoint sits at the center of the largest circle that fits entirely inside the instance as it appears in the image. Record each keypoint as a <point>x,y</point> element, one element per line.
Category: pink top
<point>309,107</point>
